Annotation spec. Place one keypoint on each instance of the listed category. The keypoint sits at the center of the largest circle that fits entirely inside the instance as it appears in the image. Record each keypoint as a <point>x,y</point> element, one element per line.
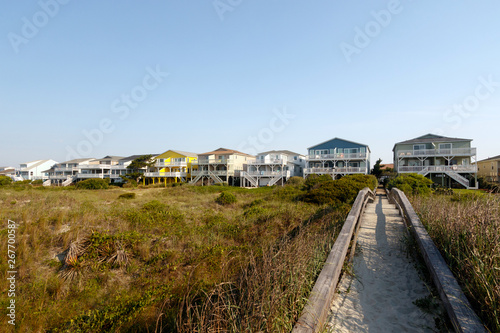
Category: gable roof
<point>180,152</point>
<point>225,151</point>
<point>431,138</point>
<point>340,139</point>
<point>286,152</point>
<point>37,163</point>
<point>77,160</point>
<point>490,159</point>
<point>109,158</point>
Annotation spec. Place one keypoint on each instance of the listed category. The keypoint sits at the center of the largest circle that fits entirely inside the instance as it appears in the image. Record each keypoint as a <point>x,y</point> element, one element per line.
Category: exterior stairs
<point>460,179</point>
<point>69,181</point>
<point>250,178</point>
<point>215,178</point>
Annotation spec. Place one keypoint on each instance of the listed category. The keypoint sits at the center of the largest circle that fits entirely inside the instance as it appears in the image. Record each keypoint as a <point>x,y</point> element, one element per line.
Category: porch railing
<point>337,156</point>
<point>437,152</point>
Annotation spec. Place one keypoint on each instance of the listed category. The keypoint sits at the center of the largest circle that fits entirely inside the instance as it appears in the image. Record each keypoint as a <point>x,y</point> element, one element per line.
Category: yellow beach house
<point>173,166</point>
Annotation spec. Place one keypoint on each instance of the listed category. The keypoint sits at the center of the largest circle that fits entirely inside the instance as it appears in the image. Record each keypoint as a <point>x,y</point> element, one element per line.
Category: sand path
<point>380,296</point>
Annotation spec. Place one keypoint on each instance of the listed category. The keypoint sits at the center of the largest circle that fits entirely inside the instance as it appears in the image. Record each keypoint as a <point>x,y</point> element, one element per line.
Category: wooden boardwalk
<point>380,295</point>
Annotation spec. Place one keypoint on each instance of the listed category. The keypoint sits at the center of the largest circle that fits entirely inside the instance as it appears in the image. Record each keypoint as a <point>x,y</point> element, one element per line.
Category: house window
<point>445,146</point>
<point>419,147</point>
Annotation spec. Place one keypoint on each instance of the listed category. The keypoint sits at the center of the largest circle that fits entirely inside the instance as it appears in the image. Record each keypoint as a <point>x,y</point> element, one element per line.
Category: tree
<point>377,168</point>
<point>141,162</point>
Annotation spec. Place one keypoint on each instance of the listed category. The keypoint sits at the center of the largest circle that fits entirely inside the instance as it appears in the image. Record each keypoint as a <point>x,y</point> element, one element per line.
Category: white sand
<point>380,296</point>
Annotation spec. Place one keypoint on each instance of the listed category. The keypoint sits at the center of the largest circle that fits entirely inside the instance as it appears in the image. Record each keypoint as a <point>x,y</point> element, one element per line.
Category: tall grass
<point>466,228</point>
<point>168,259</point>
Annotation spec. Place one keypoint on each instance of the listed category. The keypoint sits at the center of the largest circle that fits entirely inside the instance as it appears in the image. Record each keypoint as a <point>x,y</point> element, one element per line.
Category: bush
<point>324,190</point>
<point>440,190</point>
<point>489,186</point>
<point>4,180</point>
<point>37,182</point>
<point>295,181</point>
<point>226,198</point>
<point>314,181</point>
<point>127,196</point>
<point>92,184</point>
<point>411,183</point>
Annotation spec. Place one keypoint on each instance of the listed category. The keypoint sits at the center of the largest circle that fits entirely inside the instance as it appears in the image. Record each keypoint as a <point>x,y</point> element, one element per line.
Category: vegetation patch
<point>465,227</point>
<point>92,184</point>
<point>411,183</point>
<point>4,180</point>
<point>171,260</point>
<point>127,196</point>
<point>324,190</point>
<point>225,198</point>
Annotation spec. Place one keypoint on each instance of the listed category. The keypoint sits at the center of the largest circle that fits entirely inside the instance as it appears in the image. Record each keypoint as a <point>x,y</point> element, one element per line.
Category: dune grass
<point>466,228</point>
<point>165,259</point>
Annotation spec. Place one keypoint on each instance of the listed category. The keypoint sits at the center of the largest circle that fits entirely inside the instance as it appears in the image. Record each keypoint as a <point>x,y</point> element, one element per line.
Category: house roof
<point>7,171</point>
<point>180,152</point>
<point>431,138</point>
<point>225,151</point>
<point>287,152</point>
<point>387,166</point>
<point>490,159</point>
<point>336,138</point>
<point>185,153</point>
<point>109,158</point>
<point>77,160</point>
<point>36,163</point>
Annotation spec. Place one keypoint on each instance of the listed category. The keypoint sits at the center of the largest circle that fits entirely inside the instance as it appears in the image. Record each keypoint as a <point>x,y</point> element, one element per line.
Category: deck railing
<point>171,164</point>
<point>267,161</point>
<point>166,174</point>
<point>195,173</point>
<point>337,156</point>
<point>335,170</point>
<point>97,175</point>
<point>437,168</point>
<point>437,152</point>
<point>216,161</point>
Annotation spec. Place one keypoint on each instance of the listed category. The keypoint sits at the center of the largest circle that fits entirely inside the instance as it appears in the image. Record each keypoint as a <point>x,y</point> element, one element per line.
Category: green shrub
<point>4,180</point>
<point>127,196</point>
<point>411,183</point>
<point>487,185</point>
<point>295,181</point>
<point>313,181</point>
<point>324,190</point>
<point>37,182</point>
<point>226,198</point>
<point>93,184</point>
<point>440,190</point>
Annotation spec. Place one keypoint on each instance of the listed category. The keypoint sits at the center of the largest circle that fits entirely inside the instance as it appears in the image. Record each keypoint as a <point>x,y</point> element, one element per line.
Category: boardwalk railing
<point>315,313</point>
<point>463,318</point>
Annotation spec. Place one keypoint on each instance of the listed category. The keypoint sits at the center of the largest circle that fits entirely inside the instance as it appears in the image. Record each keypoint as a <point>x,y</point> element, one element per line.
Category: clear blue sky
<point>375,72</point>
